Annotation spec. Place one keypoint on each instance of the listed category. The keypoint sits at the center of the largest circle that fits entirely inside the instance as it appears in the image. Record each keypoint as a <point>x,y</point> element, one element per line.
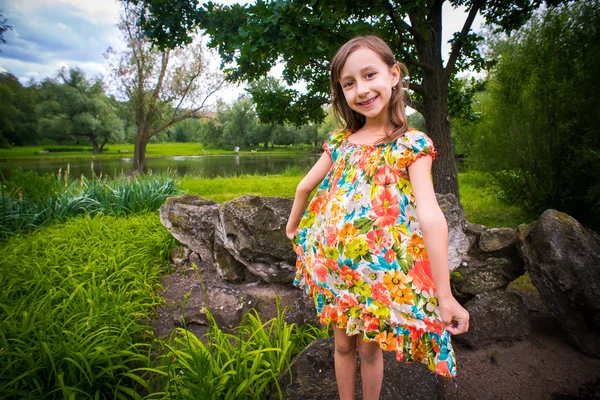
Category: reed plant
<point>245,364</point>
<point>30,201</point>
<point>74,307</point>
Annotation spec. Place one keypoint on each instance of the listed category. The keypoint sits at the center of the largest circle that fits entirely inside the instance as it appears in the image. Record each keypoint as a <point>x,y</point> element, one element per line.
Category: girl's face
<point>367,84</point>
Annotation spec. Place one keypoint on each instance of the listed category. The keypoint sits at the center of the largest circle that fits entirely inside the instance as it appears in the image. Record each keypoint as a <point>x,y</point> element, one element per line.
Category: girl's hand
<point>290,233</point>
<point>454,317</point>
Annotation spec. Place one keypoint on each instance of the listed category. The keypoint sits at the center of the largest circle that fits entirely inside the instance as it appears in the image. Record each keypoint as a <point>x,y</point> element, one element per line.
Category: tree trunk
<point>94,141</point>
<point>435,96</point>
<point>139,155</point>
<point>266,145</point>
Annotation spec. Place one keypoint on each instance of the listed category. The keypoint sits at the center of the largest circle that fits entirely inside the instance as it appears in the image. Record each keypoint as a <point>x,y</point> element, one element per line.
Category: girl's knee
<point>344,344</point>
<point>369,351</point>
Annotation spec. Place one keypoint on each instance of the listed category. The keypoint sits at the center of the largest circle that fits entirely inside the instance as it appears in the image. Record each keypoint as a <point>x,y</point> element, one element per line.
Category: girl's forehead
<point>361,59</point>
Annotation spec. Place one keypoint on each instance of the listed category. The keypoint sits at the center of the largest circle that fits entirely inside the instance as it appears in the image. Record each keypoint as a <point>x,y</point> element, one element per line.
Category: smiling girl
<point>372,245</point>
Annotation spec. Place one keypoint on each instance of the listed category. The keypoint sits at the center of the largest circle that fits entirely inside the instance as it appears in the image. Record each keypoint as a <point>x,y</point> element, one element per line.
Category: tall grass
<point>230,366</point>
<point>74,307</point>
<point>30,201</point>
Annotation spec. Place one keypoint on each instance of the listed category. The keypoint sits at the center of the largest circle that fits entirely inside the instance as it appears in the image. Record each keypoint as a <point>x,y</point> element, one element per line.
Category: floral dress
<point>361,256</point>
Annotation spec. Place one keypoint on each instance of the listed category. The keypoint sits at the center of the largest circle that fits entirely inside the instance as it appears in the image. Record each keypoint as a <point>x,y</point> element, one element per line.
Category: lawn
<point>479,194</point>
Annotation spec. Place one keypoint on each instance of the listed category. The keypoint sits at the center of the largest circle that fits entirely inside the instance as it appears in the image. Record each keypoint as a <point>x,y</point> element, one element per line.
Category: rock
<point>473,232</point>
<point>497,239</point>
<point>313,377</point>
<point>252,229</point>
<point>483,276</point>
<point>563,259</point>
<point>191,220</point>
<point>495,316</point>
<point>458,242</point>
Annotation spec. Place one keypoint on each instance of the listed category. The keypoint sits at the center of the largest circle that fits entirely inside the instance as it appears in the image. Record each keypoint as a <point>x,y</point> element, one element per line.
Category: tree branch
<point>417,106</point>
<point>189,114</point>
<point>418,88</point>
<point>456,46</point>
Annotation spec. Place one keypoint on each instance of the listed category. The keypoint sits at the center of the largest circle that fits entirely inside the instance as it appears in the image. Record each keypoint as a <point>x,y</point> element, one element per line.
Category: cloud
<point>49,34</point>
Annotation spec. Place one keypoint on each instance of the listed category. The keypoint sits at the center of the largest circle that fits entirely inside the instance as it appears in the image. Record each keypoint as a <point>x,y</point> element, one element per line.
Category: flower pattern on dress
<point>361,255</point>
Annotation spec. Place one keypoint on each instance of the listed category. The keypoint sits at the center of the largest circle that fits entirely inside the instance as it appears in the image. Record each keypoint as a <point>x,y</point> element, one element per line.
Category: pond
<point>205,166</point>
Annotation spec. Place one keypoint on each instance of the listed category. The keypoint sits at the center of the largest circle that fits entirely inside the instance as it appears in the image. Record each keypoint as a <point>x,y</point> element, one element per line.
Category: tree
<point>538,132</point>
<point>18,118</point>
<point>161,87</point>
<point>73,106</point>
<point>305,35</point>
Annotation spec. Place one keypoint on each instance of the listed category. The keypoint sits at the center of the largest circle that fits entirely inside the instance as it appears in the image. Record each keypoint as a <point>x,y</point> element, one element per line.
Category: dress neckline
<point>374,145</point>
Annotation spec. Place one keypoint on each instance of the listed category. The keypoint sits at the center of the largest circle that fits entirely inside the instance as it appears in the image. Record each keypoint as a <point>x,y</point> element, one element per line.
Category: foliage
<point>539,134</point>
<point>75,299</point>
<point>3,27</point>
<point>18,119</point>
<point>73,106</point>
<point>30,201</point>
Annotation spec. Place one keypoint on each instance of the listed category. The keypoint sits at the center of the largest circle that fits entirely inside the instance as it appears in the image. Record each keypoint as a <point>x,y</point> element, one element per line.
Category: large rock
<point>483,276</point>
<point>252,229</point>
<point>191,220</point>
<point>495,316</point>
<point>242,239</point>
<point>563,259</point>
<point>458,242</point>
<point>313,377</point>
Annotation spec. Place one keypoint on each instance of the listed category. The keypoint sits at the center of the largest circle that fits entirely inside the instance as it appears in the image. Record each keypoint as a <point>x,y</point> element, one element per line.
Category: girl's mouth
<point>368,102</point>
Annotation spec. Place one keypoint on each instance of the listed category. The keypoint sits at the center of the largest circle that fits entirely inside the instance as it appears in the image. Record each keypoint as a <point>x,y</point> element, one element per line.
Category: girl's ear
<point>396,74</point>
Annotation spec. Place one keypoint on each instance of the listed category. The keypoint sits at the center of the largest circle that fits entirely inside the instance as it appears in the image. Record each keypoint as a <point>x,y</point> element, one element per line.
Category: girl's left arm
<point>435,236</point>
<point>432,222</point>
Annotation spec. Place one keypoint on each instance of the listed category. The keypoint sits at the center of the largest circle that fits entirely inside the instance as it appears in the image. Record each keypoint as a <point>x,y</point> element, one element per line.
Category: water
<point>204,166</point>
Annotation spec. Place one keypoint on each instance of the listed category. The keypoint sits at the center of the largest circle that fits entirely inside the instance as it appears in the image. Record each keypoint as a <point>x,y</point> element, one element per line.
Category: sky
<point>50,34</point>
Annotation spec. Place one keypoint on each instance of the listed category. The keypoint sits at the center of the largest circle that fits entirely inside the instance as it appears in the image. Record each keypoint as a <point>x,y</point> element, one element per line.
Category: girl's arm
<point>435,236</point>
<point>305,187</point>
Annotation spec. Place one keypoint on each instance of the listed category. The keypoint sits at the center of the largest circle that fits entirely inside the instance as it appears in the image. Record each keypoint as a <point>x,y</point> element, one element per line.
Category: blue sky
<point>50,34</point>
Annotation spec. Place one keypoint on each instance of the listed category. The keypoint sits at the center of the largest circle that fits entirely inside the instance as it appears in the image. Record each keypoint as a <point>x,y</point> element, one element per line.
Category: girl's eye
<point>347,84</point>
<point>370,74</point>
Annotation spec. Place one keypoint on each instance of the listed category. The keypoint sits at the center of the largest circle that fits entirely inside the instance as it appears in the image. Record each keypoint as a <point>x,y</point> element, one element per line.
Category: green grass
<point>478,194</point>
<point>480,197</point>
<point>153,150</point>
<point>74,305</point>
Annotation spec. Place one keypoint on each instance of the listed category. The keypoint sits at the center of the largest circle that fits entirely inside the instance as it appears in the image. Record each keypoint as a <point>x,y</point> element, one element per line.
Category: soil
<point>538,367</point>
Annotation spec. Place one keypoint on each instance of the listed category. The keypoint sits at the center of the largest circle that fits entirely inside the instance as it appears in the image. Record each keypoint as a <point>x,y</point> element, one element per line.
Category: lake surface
<point>205,166</point>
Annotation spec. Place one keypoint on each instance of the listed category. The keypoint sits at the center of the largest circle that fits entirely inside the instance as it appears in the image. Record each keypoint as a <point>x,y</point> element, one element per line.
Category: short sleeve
<point>332,144</point>
<point>418,144</point>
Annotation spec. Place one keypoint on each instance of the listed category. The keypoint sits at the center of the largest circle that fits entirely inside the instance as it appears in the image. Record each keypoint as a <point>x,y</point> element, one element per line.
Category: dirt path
<point>531,369</point>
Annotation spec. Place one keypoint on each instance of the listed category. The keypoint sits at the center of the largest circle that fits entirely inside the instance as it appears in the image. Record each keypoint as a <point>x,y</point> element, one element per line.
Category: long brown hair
<point>350,118</point>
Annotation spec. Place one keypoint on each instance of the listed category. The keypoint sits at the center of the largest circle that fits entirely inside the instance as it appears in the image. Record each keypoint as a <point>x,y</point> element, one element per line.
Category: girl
<point>372,246</point>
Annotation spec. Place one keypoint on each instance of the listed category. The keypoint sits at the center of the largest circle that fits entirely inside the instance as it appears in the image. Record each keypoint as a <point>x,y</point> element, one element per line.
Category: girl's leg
<point>371,368</point>
<point>345,363</point>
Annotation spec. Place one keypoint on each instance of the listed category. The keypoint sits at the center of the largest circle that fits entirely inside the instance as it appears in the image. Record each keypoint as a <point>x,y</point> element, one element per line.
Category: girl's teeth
<point>367,102</point>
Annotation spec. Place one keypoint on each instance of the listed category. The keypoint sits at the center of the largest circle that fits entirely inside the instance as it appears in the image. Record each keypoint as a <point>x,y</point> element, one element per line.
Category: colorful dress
<point>361,256</point>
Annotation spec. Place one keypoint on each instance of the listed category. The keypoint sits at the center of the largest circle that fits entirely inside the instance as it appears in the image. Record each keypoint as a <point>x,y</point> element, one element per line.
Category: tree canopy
<point>252,38</point>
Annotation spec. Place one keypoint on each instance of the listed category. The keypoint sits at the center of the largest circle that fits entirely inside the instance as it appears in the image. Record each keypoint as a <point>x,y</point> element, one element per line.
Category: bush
<point>538,133</point>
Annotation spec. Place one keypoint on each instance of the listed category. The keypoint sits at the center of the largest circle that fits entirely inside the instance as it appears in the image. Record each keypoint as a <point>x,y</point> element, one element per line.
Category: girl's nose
<point>362,89</point>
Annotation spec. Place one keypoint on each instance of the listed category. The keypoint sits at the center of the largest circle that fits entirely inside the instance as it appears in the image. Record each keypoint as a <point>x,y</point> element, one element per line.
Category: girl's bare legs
<point>345,363</point>
<point>371,368</point>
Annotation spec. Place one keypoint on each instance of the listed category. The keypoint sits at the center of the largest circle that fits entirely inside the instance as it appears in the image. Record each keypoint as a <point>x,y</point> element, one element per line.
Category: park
<point>143,249</point>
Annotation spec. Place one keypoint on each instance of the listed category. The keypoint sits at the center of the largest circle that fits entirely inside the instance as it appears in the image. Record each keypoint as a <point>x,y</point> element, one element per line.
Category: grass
<point>30,201</point>
<point>478,194</point>
<point>152,150</point>
<point>74,306</point>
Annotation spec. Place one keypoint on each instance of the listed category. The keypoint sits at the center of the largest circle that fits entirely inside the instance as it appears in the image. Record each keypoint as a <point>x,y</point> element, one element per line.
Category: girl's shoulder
<point>415,140</point>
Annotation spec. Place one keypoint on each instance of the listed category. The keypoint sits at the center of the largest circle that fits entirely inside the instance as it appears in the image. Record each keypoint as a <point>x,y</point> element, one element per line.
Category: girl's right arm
<point>314,177</point>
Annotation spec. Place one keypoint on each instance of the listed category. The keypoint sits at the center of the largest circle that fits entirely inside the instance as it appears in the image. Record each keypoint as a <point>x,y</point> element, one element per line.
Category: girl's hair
<point>350,118</point>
